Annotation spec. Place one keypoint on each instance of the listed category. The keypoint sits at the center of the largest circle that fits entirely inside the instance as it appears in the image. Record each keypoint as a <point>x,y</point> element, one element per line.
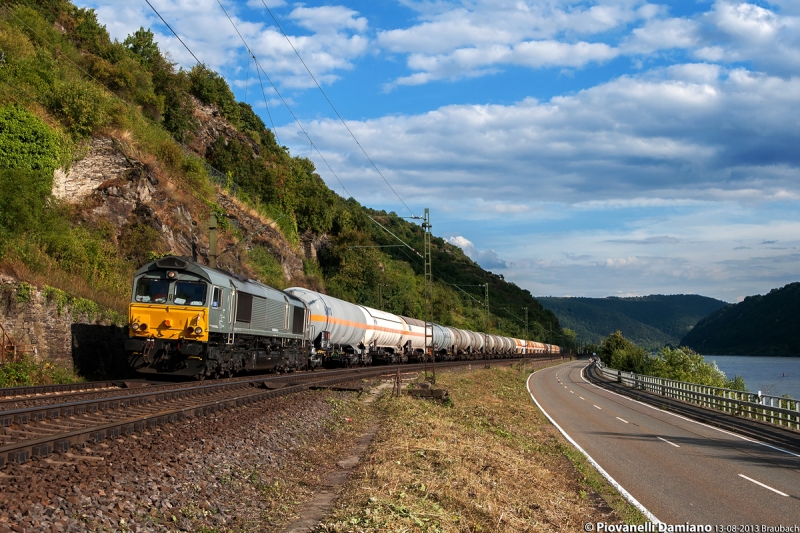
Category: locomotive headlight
<point>171,274</point>
<point>142,327</point>
<point>135,326</point>
<point>198,331</point>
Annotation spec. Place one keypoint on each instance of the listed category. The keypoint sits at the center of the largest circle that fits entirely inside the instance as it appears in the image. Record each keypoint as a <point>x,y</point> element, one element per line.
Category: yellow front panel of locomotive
<point>168,322</point>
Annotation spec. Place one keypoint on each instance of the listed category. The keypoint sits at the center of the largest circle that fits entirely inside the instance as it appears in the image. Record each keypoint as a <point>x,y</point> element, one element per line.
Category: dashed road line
<point>765,486</point>
<point>598,406</point>
<point>618,418</point>
<point>668,442</point>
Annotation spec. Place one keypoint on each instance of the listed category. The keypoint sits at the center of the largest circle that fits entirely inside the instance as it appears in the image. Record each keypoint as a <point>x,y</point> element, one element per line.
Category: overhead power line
<point>173,31</point>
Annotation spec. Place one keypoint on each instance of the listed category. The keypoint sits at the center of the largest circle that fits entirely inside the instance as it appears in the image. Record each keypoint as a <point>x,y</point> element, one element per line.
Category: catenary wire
<point>173,31</point>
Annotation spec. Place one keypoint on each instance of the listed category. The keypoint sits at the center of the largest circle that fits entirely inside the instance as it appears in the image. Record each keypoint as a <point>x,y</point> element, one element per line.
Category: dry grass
<point>491,462</point>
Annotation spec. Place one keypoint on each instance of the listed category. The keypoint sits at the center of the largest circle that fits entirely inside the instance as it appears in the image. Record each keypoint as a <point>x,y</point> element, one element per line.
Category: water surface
<point>774,376</point>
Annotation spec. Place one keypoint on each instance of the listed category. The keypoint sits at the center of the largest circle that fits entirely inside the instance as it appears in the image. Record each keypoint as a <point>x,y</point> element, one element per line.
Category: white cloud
<point>487,259</point>
<point>336,41</point>
<point>329,18</point>
<point>656,136</point>
<point>662,35</point>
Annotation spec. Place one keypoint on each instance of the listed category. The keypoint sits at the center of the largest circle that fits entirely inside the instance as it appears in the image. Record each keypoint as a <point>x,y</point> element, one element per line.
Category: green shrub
<point>27,371</point>
<point>211,88</point>
<point>26,142</point>
<point>23,200</point>
<point>267,266</point>
<point>83,107</point>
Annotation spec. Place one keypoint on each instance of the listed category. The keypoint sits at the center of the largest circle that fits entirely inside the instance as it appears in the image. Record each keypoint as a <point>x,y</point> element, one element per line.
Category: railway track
<point>40,430</point>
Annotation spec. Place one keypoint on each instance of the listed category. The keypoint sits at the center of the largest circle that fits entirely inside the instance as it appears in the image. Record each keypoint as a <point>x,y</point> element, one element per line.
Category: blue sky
<point>578,148</point>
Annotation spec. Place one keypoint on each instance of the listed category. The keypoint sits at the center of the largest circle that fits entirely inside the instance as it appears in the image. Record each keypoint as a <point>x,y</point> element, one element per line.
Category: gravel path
<point>245,469</point>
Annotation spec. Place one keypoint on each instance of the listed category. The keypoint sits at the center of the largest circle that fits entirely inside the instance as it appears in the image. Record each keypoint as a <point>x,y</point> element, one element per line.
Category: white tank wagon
<point>386,337</point>
<point>493,345</point>
<point>414,339</point>
<point>537,347</point>
<point>443,341</point>
<point>460,341</point>
<point>338,330</point>
<point>519,346</point>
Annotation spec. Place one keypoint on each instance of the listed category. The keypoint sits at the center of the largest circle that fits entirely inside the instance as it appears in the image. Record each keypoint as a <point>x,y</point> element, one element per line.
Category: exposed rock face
<point>103,163</point>
<point>313,243</point>
<point>267,236</point>
<point>213,125</point>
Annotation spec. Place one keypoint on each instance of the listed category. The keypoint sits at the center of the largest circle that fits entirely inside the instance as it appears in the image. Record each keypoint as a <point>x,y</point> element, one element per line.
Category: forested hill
<point>111,155</point>
<point>758,325</point>
<point>649,321</point>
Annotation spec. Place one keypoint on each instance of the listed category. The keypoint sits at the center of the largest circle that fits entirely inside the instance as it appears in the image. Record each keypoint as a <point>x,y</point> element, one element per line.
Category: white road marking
<point>618,418</point>
<point>625,494</point>
<point>581,397</point>
<point>668,442</point>
<point>597,406</point>
<point>765,486</point>
<point>572,392</point>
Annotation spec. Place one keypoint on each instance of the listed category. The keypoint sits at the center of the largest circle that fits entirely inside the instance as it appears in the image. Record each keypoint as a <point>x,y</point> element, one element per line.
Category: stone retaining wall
<point>96,350</point>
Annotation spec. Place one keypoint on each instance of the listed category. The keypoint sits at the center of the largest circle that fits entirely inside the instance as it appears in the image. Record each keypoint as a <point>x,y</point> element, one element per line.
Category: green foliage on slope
<point>680,364</point>
<point>758,325</point>
<point>65,80</point>
<point>649,321</point>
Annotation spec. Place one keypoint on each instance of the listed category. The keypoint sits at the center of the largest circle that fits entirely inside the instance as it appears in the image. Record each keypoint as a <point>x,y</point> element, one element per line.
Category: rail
<point>776,410</point>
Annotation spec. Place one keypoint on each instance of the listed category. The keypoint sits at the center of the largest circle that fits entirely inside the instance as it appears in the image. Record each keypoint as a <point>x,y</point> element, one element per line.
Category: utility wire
<point>173,31</point>
<point>274,131</point>
<point>258,65</point>
<point>334,107</point>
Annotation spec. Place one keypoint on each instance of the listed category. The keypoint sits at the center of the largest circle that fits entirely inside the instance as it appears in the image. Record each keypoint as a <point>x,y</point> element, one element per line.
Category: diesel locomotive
<point>190,319</point>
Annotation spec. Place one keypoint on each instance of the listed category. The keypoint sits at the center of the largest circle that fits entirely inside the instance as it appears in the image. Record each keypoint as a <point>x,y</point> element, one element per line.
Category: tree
<point>143,46</point>
<point>618,352</point>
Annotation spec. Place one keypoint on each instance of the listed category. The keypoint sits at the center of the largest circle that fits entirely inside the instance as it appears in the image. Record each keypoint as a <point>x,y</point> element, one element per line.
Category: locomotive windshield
<point>190,293</point>
<point>152,290</point>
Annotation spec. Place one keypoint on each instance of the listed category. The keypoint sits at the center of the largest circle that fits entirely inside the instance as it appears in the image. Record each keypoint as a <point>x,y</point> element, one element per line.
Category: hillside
<point>758,325</point>
<point>111,155</point>
<point>649,321</point>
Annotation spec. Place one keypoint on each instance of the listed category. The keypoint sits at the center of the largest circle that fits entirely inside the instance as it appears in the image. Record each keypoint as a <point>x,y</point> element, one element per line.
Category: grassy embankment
<point>489,462</point>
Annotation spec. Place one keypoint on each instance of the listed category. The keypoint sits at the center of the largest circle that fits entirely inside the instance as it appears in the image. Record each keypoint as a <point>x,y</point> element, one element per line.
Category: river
<point>774,376</point>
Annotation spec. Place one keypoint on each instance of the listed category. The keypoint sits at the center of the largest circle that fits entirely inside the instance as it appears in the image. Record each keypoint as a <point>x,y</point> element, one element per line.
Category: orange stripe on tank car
<point>360,325</point>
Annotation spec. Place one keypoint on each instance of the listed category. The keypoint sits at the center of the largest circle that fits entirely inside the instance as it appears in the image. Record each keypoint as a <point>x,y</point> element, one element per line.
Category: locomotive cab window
<point>190,293</point>
<point>152,291</point>
<point>216,299</point>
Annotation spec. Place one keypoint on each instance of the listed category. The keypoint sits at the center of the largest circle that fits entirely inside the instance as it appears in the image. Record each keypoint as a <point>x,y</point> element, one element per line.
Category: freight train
<point>190,319</point>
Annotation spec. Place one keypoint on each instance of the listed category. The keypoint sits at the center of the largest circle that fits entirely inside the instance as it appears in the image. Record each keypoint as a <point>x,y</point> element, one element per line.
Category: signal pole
<point>526,323</point>
<point>429,348</point>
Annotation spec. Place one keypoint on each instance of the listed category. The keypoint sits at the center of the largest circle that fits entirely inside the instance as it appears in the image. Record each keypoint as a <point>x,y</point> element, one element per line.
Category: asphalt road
<point>678,469</point>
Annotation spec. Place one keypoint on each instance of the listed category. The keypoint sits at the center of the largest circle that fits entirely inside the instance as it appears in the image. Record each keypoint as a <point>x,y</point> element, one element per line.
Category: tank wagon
<point>189,319</point>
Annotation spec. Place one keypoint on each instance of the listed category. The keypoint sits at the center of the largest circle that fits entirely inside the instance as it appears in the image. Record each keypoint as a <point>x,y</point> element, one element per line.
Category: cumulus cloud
<point>655,136</point>
<point>487,259</point>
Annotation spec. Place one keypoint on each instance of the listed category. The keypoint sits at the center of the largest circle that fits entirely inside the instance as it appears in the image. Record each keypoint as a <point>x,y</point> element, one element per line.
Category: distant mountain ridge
<point>758,325</point>
<point>650,321</point>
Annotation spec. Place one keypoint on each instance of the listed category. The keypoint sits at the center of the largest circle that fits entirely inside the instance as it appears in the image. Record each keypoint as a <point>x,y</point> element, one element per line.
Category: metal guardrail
<point>773,409</point>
